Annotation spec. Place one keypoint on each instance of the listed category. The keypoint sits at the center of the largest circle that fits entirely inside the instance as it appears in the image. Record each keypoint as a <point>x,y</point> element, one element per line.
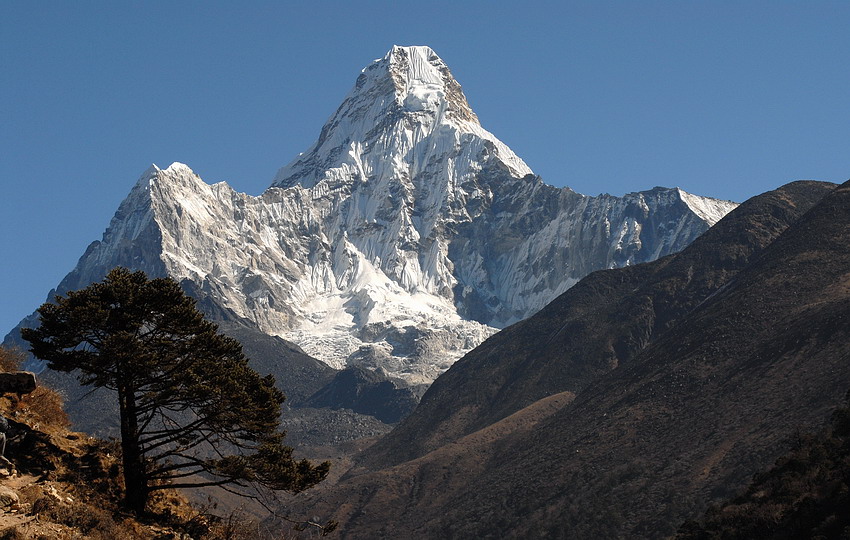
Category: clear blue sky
<point>727,99</point>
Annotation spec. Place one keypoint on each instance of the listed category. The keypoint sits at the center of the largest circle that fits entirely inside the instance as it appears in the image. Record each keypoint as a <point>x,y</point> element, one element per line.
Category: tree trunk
<point>135,478</point>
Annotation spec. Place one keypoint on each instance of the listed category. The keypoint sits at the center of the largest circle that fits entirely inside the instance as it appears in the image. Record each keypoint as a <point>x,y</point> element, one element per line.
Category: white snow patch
<point>710,210</point>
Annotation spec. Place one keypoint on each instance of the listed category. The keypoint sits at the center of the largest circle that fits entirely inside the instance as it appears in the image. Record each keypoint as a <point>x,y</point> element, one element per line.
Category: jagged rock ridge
<point>400,240</point>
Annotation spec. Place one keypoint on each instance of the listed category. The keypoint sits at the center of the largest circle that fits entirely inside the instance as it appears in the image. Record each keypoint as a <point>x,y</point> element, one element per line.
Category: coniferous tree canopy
<point>193,413</point>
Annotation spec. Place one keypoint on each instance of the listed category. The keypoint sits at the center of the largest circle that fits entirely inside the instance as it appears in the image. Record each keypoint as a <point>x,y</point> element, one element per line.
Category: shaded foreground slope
<point>690,374</point>
<point>804,495</point>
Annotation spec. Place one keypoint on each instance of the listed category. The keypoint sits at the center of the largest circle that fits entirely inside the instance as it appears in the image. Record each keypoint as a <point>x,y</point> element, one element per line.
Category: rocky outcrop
<point>365,392</point>
<point>17,382</point>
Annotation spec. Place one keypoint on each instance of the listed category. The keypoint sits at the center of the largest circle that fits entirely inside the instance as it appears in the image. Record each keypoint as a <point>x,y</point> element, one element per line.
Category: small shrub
<point>91,521</point>
<point>41,406</point>
<point>10,359</point>
<point>233,527</point>
<point>12,533</point>
<point>44,406</point>
<point>43,505</point>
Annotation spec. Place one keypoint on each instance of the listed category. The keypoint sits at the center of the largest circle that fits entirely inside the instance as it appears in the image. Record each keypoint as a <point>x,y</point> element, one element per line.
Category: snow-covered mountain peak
<point>154,172</point>
<point>178,167</point>
<point>405,117</point>
<point>399,241</point>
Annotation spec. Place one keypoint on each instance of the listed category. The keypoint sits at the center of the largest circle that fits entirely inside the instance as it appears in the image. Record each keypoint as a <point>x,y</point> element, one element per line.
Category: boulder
<point>17,382</point>
<point>8,498</point>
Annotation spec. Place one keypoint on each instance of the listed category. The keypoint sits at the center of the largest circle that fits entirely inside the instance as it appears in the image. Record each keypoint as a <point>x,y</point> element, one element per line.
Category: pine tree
<point>192,412</point>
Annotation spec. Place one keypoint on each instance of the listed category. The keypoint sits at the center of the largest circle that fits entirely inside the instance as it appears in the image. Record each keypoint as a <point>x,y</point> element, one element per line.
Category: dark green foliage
<point>189,402</point>
<point>805,495</point>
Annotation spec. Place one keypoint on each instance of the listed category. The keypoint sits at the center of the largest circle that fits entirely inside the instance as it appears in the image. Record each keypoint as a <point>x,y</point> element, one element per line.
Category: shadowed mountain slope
<point>367,392</point>
<point>601,323</point>
<point>743,337</point>
<point>804,495</point>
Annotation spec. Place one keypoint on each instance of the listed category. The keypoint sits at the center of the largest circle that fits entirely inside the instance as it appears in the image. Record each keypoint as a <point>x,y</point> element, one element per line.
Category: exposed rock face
<point>17,382</point>
<point>402,239</point>
<point>365,392</point>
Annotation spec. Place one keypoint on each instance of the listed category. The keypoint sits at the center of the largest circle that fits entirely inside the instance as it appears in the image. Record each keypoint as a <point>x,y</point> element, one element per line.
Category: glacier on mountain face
<point>400,240</point>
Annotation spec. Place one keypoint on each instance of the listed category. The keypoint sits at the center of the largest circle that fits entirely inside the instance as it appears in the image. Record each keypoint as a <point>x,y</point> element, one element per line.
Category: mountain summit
<point>405,116</point>
<point>399,241</point>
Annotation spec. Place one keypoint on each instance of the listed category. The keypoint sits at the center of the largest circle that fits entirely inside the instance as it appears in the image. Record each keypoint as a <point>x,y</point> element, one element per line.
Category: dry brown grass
<point>234,528</point>
<point>14,533</point>
<point>91,521</point>
<point>10,359</point>
<point>41,408</point>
